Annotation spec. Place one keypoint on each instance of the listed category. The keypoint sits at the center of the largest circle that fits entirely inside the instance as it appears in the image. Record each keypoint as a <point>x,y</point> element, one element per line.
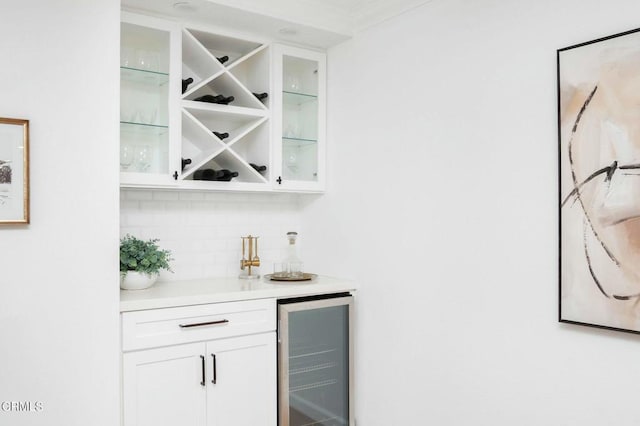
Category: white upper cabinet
<point>299,119</point>
<point>203,110</point>
<point>148,101</point>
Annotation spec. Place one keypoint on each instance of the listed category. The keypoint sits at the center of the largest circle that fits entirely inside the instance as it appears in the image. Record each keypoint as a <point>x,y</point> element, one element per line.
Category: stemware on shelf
<point>143,158</point>
<point>126,156</point>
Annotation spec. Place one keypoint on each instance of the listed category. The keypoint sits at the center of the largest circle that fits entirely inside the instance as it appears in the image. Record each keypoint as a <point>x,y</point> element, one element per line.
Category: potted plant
<point>141,262</point>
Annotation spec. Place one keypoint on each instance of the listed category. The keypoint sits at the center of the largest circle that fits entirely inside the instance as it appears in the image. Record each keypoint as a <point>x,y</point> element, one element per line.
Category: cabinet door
<point>149,94</point>
<point>165,387</point>
<point>242,381</point>
<point>299,119</point>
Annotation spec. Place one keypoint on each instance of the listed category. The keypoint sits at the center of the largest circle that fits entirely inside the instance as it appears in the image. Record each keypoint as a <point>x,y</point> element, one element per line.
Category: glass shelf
<point>136,75</point>
<point>153,129</point>
<point>294,98</point>
<point>299,141</point>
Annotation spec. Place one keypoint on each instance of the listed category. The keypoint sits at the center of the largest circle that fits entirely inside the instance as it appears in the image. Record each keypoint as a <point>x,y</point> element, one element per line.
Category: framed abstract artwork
<point>599,182</point>
<point>14,171</point>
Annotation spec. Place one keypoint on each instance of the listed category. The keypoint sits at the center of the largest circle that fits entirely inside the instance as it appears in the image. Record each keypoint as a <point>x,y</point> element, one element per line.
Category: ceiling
<point>361,14</point>
<point>319,23</point>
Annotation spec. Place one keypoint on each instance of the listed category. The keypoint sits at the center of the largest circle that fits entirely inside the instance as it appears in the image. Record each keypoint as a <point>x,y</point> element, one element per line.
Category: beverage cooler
<point>315,361</point>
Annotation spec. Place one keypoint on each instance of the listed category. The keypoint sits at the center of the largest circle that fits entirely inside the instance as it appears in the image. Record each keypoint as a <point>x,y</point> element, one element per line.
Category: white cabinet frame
<point>136,179</point>
<point>280,183</point>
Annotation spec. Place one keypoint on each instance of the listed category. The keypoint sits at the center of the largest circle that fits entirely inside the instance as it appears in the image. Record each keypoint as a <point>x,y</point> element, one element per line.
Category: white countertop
<point>214,290</point>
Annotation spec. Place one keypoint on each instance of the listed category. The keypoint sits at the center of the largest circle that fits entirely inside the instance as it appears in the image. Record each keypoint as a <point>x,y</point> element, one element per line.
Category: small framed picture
<point>14,171</point>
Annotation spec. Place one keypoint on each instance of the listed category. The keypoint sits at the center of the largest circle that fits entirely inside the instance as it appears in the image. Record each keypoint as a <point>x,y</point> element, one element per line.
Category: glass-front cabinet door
<point>148,96</point>
<point>299,130</point>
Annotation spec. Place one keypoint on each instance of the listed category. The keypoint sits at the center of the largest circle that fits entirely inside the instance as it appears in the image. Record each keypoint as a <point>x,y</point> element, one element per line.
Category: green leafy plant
<point>142,256</point>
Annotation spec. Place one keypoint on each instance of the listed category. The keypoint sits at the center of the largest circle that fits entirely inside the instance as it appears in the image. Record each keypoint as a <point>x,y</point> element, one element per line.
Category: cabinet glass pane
<point>300,119</point>
<point>144,100</point>
<point>319,366</point>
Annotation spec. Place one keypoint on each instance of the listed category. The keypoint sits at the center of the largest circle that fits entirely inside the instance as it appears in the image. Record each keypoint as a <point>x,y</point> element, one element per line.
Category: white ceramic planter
<point>137,280</point>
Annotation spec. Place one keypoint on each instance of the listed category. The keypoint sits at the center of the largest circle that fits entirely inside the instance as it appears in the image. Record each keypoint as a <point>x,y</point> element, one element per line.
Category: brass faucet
<point>249,255</point>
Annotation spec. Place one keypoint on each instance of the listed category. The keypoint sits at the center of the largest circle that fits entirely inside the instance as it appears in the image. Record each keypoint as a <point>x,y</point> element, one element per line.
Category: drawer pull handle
<point>202,360</point>
<point>200,324</point>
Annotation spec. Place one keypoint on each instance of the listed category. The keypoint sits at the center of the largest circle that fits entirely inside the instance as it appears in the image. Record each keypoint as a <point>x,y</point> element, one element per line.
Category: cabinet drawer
<point>172,326</point>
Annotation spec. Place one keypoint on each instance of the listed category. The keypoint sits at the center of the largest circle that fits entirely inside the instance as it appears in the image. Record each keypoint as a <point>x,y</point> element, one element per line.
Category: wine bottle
<point>215,99</point>
<point>223,59</point>
<point>185,162</point>
<point>185,83</point>
<point>257,168</point>
<point>221,136</point>
<point>207,174</point>
<point>227,175</point>
<point>227,100</point>
<point>261,96</point>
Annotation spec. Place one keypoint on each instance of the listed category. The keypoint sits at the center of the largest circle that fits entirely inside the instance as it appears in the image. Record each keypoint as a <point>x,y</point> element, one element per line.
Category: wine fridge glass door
<point>315,363</point>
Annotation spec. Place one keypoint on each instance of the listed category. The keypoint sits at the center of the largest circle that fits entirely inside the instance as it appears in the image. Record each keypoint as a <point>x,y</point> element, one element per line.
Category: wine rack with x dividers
<point>245,122</point>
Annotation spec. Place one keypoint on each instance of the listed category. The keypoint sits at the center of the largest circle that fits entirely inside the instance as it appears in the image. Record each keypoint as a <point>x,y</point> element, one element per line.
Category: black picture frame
<point>598,170</point>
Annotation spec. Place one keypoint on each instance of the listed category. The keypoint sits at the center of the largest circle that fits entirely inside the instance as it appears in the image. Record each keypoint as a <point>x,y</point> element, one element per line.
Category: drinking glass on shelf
<point>126,156</point>
<point>292,83</point>
<point>126,57</point>
<point>148,115</point>
<point>291,158</point>
<point>125,112</point>
<point>141,59</point>
<point>135,115</point>
<point>126,109</point>
<point>292,131</point>
<point>143,158</point>
<point>152,61</point>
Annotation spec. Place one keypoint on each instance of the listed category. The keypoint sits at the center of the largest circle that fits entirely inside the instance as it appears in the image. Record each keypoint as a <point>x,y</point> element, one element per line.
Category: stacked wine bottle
<point>215,99</point>
<point>222,175</point>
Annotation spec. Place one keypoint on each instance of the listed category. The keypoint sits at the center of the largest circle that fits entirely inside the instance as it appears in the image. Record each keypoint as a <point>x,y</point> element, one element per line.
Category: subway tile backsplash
<point>203,229</point>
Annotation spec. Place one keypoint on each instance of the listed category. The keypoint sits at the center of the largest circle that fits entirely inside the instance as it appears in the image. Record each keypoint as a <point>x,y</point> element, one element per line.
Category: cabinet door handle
<point>200,324</point>
<point>202,361</point>
<point>215,370</point>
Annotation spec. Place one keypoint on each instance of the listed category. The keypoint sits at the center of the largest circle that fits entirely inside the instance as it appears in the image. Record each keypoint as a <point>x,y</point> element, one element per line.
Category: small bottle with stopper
<point>292,261</point>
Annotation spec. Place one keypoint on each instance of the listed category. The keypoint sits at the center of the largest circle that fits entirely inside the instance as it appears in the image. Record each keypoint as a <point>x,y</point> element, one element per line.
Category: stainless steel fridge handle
<point>200,324</point>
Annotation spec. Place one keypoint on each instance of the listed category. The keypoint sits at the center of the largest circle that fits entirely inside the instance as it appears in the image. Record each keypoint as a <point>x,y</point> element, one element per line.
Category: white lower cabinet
<point>226,381</point>
<point>162,387</point>
<point>246,381</point>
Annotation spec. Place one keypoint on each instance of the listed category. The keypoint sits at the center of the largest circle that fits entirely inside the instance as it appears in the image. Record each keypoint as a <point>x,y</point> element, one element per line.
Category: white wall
<point>58,275</point>
<point>442,202</point>
<point>203,229</point>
